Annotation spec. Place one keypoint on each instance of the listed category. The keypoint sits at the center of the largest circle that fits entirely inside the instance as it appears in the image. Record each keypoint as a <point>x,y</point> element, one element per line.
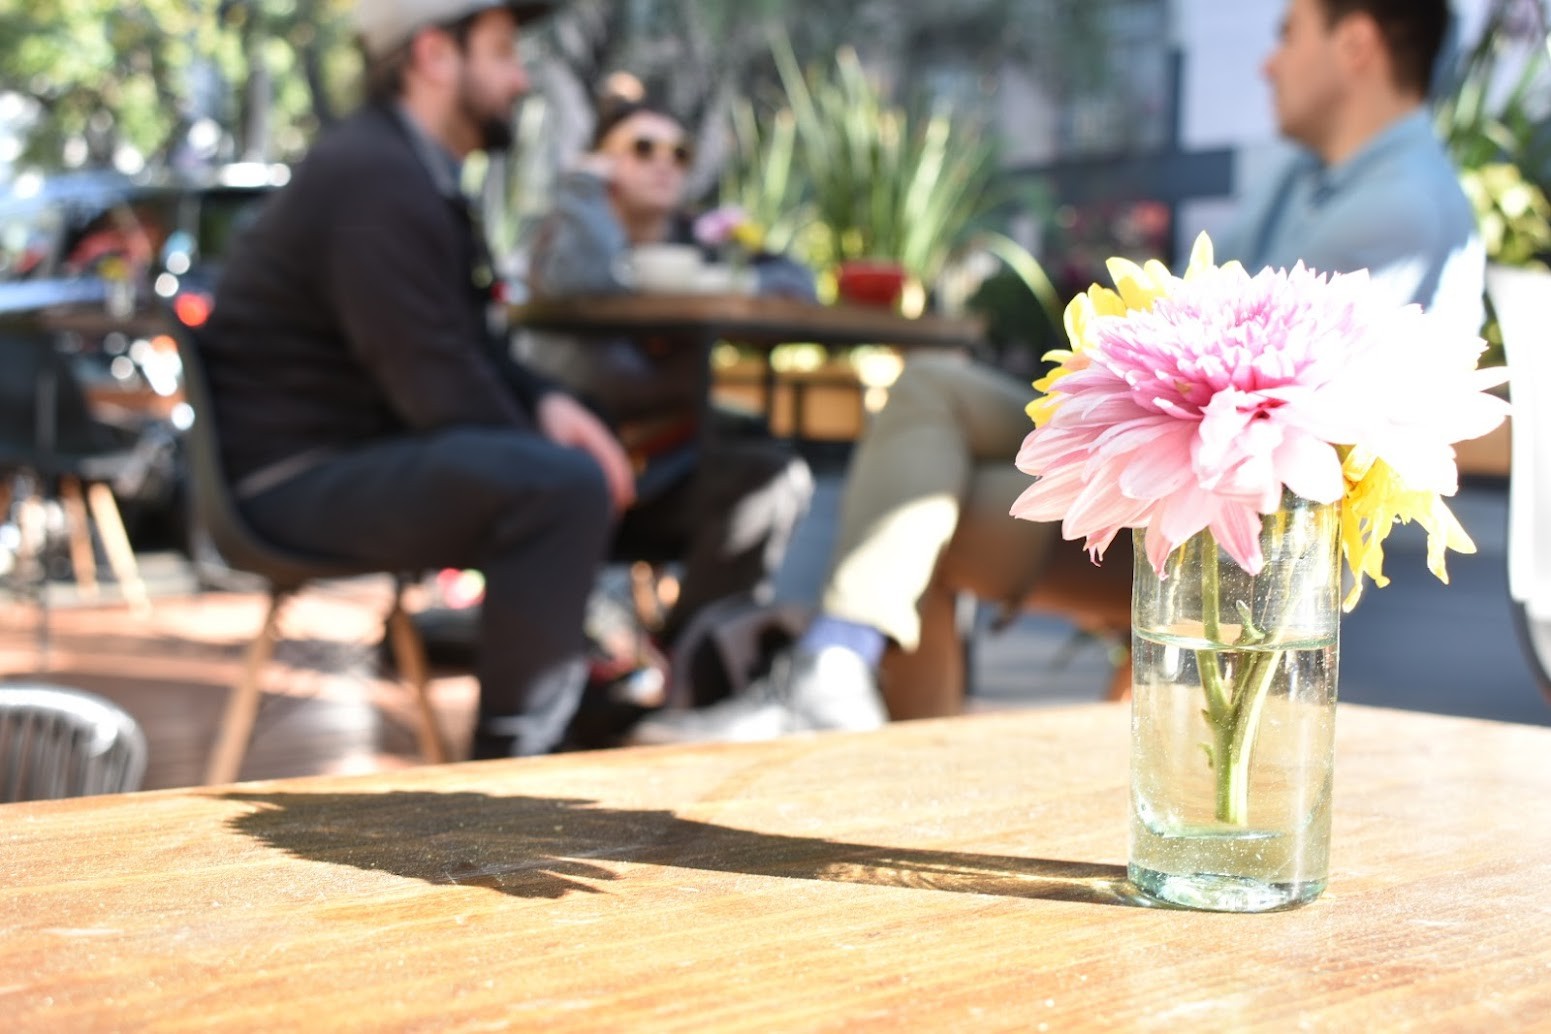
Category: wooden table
<point>702,320</point>
<point>953,875</point>
<point>763,322</point>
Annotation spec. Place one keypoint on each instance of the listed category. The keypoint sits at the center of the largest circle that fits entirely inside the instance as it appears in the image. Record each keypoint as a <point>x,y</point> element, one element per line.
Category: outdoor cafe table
<point>751,320</point>
<point>762,323</point>
<point>962,874</point>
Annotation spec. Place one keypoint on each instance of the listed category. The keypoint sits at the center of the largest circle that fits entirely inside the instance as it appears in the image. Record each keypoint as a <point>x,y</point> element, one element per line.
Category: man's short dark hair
<point>1413,33</point>
<point>385,74</point>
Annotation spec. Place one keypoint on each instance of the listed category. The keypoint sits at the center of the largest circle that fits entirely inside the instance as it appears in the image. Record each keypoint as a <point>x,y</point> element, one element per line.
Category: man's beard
<point>494,132</point>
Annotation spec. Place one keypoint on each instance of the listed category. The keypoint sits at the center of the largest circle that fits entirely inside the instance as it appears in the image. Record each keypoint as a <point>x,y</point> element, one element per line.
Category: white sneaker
<point>804,692</point>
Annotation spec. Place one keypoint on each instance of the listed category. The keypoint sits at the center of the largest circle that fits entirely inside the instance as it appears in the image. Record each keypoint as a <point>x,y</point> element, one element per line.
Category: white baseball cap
<point>386,25</point>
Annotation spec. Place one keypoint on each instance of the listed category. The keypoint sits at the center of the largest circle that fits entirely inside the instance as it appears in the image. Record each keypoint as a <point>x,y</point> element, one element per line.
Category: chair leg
<point>242,708</point>
<point>82,558</point>
<point>121,556</point>
<point>32,561</point>
<point>409,656</point>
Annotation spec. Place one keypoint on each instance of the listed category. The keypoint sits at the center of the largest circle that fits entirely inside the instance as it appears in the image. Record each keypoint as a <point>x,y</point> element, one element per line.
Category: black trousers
<point>728,519</point>
<point>533,516</point>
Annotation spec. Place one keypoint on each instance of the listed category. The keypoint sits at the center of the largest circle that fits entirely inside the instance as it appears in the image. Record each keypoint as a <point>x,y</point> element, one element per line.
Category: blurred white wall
<point>1224,100</point>
<point>1027,116</point>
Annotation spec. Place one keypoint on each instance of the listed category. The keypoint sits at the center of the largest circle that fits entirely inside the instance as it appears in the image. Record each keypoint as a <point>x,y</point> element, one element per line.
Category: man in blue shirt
<point>924,515</point>
<point>1373,188</point>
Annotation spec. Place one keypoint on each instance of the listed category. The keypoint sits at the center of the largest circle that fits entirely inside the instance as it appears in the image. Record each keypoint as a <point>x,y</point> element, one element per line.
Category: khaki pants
<point>925,517</point>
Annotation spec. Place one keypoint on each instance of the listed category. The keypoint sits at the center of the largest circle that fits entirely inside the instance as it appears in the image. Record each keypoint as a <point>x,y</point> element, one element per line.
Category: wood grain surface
<point>964,874</point>
<point>748,320</point>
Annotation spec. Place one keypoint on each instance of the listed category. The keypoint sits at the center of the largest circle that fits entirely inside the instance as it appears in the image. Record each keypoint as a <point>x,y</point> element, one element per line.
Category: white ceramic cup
<point>661,267</point>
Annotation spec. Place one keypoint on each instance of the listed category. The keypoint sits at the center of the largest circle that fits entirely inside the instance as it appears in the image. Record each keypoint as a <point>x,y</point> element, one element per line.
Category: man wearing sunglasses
<point>366,408</point>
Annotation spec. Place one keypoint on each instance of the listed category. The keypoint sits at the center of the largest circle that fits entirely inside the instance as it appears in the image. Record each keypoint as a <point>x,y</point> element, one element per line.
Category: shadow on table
<point>541,847</point>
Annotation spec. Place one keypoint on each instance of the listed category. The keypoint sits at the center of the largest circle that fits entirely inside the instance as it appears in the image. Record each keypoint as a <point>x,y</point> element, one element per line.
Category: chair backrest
<point>1522,300</point>
<point>215,508</point>
<point>44,417</point>
<point>59,742</point>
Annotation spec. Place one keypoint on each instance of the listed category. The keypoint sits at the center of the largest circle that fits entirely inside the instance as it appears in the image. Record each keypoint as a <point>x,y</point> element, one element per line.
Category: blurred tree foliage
<point>106,74</point>
<point>706,56</point>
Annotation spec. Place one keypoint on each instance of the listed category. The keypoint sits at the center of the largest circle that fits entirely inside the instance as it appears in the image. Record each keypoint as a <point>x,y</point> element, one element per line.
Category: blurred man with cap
<point>367,408</point>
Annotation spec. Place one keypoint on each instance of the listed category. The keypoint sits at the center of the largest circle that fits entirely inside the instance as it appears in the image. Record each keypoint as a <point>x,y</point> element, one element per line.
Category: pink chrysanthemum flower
<point>1198,412</point>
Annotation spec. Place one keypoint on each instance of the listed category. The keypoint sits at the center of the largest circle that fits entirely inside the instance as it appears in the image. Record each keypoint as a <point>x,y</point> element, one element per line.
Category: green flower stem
<point>1235,715</point>
<point>1236,738</point>
<point>1218,700</point>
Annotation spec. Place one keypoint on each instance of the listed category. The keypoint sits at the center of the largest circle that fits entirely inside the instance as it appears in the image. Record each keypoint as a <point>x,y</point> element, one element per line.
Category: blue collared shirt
<point>1395,208</point>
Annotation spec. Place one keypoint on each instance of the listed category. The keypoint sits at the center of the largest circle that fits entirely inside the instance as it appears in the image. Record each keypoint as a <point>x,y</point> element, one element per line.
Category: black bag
<point>728,646</point>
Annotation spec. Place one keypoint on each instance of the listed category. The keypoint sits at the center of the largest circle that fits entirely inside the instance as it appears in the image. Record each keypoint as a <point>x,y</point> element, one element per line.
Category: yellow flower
<point>749,235</point>
<point>1375,500</point>
<point>1080,314</point>
<point>1137,288</point>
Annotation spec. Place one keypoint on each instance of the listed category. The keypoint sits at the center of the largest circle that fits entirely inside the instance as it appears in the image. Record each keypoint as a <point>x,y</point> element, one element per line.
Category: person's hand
<point>565,421</point>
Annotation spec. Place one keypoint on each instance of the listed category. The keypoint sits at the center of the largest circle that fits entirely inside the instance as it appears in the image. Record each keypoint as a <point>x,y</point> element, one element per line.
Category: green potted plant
<point>882,197</point>
<point>1496,133</point>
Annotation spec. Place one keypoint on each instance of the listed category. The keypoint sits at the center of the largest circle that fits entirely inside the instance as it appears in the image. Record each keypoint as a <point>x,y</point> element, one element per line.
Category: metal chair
<point>286,571</point>
<point>58,742</point>
<point>1519,297</point>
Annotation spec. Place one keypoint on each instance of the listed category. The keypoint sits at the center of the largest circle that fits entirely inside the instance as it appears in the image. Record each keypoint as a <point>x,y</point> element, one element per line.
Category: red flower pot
<point>866,282</point>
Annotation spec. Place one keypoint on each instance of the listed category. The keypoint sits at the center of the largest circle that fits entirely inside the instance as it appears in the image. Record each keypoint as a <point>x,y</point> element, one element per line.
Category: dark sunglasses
<point>645,148</point>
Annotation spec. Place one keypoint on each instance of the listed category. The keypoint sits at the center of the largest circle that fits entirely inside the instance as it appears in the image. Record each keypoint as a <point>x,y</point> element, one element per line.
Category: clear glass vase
<point>1233,717</point>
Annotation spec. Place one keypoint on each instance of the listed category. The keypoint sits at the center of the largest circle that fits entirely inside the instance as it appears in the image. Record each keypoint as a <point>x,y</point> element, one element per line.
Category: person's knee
<point>931,373</point>
<point>531,481</point>
<point>928,382</point>
<point>580,490</point>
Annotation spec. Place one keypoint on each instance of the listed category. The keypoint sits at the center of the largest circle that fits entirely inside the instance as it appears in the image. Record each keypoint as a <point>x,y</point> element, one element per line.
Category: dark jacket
<point>351,311</point>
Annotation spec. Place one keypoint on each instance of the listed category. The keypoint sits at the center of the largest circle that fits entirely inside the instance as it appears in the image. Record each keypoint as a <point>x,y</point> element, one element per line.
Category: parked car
<point>94,252</point>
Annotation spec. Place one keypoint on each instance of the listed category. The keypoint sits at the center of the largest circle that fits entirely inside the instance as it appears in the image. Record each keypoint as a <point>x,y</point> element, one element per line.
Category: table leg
<point>767,387</point>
